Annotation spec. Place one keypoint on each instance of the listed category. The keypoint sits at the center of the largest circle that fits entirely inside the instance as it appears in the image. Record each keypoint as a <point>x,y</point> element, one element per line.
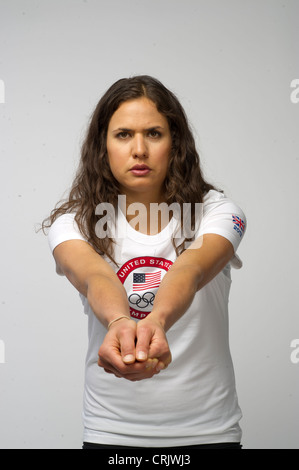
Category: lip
<point>140,170</point>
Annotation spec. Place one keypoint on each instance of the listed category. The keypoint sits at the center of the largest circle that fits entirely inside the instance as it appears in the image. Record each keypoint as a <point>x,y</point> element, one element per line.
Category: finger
<point>151,363</point>
<point>110,372</point>
<point>164,357</point>
<point>111,368</point>
<point>132,372</point>
<point>163,364</point>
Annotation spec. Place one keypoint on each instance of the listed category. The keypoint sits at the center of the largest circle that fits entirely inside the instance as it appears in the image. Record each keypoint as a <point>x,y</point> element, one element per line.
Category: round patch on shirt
<point>141,278</point>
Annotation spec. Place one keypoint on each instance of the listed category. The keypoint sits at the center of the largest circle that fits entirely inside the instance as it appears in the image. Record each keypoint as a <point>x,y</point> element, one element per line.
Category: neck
<point>143,214</point>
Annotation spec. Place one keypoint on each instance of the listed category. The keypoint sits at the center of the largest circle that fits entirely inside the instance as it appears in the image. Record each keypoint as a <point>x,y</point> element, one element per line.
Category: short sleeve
<point>223,217</point>
<point>63,229</point>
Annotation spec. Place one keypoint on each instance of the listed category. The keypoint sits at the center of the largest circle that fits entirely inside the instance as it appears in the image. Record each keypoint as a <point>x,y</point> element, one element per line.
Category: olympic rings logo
<point>142,301</point>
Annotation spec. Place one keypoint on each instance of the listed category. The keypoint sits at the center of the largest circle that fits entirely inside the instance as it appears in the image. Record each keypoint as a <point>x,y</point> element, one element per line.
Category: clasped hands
<point>135,351</point>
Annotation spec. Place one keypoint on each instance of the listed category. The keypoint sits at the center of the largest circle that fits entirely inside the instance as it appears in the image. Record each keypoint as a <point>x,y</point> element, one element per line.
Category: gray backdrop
<point>234,66</point>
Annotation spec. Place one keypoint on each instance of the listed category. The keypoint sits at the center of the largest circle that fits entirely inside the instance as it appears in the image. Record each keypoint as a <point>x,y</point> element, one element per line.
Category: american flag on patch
<point>143,281</point>
<point>239,222</point>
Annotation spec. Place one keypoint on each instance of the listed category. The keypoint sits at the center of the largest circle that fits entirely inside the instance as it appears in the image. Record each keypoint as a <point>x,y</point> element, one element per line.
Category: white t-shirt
<point>194,400</point>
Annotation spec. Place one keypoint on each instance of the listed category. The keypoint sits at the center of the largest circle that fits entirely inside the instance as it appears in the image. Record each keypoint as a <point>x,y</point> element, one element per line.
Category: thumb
<point>126,338</point>
<point>144,338</point>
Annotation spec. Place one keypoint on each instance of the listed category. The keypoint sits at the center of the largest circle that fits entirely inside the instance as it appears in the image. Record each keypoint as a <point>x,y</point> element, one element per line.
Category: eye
<point>154,134</point>
<point>123,135</point>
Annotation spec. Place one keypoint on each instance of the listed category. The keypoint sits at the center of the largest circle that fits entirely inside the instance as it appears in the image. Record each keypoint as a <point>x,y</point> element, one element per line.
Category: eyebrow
<point>125,129</point>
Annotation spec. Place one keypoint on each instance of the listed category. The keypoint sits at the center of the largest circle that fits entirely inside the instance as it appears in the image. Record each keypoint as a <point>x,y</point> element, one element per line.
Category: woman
<point>158,368</point>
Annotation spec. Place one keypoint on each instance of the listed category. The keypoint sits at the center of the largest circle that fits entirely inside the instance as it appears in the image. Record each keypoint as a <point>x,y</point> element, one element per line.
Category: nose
<point>139,148</point>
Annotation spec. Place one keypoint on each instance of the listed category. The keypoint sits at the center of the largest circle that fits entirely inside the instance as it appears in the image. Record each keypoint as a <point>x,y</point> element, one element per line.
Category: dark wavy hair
<point>94,182</point>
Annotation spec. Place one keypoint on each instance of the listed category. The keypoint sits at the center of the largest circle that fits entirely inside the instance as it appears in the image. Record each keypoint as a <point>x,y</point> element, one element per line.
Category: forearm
<point>107,298</point>
<point>192,270</point>
<point>175,295</point>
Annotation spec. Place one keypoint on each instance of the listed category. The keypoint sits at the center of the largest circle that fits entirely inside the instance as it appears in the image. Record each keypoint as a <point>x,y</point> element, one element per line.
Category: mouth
<point>140,170</point>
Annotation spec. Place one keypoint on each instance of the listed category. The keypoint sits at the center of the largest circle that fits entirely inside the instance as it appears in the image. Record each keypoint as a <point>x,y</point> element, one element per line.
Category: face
<point>138,147</point>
